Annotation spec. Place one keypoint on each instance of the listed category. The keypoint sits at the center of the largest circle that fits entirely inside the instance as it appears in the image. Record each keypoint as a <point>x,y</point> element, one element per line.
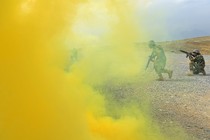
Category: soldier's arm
<point>192,58</point>
<point>153,55</point>
<point>201,60</point>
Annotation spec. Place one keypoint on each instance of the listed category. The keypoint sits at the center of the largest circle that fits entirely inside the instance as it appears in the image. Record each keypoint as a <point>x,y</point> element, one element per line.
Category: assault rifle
<point>151,57</point>
<point>188,54</point>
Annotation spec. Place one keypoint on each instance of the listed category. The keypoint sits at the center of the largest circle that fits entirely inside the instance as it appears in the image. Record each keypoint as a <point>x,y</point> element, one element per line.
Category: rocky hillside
<point>201,43</point>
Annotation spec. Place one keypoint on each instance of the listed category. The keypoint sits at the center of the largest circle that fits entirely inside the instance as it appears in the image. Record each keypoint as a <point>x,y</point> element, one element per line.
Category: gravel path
<point>184,99</point>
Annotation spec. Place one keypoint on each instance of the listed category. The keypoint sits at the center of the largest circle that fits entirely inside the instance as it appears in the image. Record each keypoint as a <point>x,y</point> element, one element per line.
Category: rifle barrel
<point>183,51</point>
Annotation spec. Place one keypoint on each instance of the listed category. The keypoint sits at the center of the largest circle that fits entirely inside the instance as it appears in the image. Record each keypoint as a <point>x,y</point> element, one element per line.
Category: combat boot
<point>204,72</point>
<point>160,78</point>
<point>190,73</point>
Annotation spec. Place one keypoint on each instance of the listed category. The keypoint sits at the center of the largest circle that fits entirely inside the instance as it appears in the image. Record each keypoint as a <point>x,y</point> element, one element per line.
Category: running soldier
<point>159,59</point>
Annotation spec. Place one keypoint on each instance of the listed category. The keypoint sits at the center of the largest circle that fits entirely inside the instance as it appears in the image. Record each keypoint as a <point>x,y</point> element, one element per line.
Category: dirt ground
<point>182,102</point>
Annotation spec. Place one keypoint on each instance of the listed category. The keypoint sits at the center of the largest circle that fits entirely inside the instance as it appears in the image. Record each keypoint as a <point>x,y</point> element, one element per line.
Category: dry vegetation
<point>201,43</point>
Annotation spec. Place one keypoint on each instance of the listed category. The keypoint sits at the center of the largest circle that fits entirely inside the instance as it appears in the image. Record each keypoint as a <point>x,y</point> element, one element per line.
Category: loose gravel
<point>183,101</point>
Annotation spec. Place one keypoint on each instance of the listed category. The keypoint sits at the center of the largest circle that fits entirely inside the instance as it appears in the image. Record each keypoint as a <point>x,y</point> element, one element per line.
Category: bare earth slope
<point>202,43</point>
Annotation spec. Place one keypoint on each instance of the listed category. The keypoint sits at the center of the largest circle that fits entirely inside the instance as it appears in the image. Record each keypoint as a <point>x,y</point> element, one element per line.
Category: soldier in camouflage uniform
<point>159,60</point>
<point>197,63</point>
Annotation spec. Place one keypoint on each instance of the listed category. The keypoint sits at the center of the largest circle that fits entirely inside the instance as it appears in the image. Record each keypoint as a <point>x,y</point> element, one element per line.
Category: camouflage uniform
<point>197,63</point>
<point>159,60</point>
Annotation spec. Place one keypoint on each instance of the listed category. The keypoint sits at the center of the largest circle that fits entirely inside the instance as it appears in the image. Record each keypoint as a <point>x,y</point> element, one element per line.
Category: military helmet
<point>196,51</point>
<point>151,44</point>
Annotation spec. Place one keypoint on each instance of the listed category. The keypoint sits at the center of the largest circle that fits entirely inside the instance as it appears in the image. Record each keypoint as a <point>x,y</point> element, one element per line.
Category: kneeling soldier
<point>197,63</point>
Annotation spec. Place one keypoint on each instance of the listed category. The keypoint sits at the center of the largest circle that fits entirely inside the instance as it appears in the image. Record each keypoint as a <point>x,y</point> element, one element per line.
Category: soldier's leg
<point>159,73</point>
<point>191,65</point>
<point>169,72</point>
<point>203,71</point>
<point>163,70</point>
<point>162,65</point>
<point>160,77</point>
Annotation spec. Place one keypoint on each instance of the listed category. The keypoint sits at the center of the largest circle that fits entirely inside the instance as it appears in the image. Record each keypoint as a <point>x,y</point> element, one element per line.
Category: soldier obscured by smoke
<point>159,59</point>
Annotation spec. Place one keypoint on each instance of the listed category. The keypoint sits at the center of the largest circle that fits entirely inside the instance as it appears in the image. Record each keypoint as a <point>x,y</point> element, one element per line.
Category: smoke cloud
<point>54,53</point>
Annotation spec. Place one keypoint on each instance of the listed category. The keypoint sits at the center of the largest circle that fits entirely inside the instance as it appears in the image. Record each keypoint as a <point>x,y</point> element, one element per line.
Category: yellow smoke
<point>107,32</point>
<point>41,100</point>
